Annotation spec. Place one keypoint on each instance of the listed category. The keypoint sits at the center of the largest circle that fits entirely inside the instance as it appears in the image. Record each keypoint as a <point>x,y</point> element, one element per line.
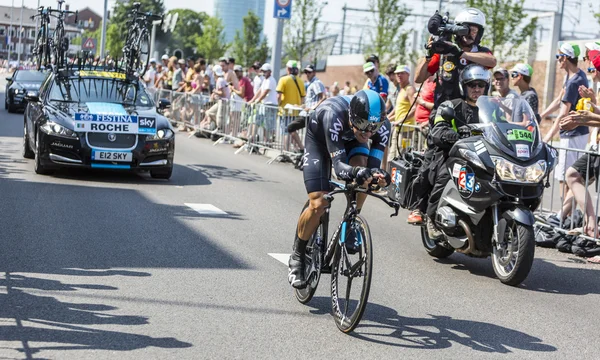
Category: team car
<point>97,119</point>
<point>18,85</point>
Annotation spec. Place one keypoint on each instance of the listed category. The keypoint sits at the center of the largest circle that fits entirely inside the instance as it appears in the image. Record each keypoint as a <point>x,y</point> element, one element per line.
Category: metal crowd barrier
<point>556,198</point>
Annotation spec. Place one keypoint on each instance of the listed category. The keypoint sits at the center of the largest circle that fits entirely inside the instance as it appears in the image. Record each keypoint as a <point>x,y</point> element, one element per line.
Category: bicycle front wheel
<point>351,276</point>
<point>143,53</point>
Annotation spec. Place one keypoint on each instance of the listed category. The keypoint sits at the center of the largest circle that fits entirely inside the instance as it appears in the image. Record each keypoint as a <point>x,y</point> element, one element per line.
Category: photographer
<point>467,31</point>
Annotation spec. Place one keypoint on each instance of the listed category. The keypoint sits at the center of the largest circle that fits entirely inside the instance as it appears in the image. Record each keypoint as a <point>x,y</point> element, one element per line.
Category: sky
<point>356,20</point>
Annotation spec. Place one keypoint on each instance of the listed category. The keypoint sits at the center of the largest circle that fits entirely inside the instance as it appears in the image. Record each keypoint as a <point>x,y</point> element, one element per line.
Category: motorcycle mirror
<point>447,113</point>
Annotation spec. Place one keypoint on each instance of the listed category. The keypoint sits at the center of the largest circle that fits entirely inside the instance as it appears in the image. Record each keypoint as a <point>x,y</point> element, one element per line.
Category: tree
<point>302,30</point>
<point>189,24</point>
<point>211,44</point>
<point>506,25</point>
<point>117,27</point>
<point>387,41</point>
<point>247,47</point>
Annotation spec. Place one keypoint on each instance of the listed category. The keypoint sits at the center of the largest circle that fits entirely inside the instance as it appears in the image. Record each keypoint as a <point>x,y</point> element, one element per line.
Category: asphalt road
<point>101,265</point>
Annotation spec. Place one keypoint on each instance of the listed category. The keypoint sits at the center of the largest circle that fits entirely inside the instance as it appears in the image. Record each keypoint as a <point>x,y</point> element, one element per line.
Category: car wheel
<point>162,174</point>
<point>38,167</point>
<point>27,152</point>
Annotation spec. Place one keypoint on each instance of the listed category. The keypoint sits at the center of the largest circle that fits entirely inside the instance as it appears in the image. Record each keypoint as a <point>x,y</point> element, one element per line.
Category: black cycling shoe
<point>352,245</point>
<point>296,271</point>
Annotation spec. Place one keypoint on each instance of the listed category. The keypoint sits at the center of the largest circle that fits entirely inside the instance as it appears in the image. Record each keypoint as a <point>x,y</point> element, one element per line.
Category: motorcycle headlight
<point>16,91</point>
<point>52,128</point>
<point>162,134</point>
<point>509,171</point>
<point>472,157</point>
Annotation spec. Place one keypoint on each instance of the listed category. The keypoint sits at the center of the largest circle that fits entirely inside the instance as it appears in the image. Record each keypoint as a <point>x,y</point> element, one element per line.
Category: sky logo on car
<point>147,126</point>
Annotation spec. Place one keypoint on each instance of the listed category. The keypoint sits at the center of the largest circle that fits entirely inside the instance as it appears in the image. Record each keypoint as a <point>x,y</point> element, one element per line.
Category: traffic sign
<point>282,9</point>
<point>89,44</point>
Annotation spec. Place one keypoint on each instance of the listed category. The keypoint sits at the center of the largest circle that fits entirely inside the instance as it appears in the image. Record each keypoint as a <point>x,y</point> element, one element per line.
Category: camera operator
<point>467,31</point>
<point>446,60</point>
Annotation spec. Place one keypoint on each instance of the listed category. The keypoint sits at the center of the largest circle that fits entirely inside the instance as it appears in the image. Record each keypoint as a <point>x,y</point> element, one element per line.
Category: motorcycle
<point>499,172</point>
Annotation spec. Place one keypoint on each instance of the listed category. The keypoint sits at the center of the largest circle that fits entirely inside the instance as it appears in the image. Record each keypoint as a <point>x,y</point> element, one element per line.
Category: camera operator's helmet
<point>472,16</point>
<point>367,111</point>
<point>474,72</point>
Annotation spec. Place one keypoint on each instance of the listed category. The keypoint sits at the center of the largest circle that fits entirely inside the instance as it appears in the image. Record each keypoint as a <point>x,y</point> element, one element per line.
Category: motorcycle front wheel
<point>513,258</point>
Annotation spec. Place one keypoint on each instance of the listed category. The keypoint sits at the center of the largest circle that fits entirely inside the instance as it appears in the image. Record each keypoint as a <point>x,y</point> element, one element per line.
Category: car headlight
<point>472,157</point>
<point>52,128</point>
<point>509,171</point>
<point>162,134</point>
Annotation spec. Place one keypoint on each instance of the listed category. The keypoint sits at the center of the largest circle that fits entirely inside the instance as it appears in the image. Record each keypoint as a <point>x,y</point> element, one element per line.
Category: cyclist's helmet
<point>472,16</point>
<point>367,111</point>
<point>474,72</point>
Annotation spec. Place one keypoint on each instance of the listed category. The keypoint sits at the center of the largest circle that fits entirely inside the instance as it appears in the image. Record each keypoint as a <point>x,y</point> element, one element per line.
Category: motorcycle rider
<point>474,82</point>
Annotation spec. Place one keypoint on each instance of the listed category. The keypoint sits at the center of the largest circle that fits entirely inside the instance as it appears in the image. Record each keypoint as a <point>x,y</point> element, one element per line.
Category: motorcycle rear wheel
<point>514,260</point>
<point>433,248</point>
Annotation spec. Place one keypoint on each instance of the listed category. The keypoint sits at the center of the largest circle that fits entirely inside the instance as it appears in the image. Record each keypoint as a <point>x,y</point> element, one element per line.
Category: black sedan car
<point>18,85</point>
<point>97,119</point>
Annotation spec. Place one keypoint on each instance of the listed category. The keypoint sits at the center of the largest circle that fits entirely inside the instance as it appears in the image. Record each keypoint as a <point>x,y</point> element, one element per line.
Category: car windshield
<point>107,90</point>
<point>511,125</point>
<point>30,75</point>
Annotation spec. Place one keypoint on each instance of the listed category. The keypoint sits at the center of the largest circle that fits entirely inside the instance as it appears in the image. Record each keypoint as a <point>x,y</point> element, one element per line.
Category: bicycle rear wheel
<point>143,53</point>
<point>38,49</point>
<point>312,263</point>
<point>349,308</point>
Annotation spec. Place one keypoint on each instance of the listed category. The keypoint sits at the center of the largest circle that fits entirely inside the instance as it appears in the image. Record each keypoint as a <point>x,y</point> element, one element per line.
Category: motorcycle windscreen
<point>511,126</point>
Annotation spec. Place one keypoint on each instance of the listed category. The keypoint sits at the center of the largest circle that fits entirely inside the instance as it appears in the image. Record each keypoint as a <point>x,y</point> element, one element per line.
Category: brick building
<point>87,19</point>
<point>23,42</point>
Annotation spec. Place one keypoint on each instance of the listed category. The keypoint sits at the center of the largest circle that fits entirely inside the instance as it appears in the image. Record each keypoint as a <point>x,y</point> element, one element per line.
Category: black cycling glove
<point>387,177</point>
<point>361,174</point>
<point>451,137</point>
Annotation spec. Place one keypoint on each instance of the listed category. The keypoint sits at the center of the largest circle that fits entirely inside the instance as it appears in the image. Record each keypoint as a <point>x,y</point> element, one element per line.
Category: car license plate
<point>119,156</point>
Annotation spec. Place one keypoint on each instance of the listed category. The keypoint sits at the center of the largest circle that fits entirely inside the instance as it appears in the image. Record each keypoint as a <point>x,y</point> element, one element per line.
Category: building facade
<point>87,19</point>
<point>19,41</point>
<point>231,13</point>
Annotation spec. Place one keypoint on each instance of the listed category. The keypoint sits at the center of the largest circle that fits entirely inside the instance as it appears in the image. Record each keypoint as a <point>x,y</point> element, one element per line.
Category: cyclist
<point>474,82</point>
<point>339,131</point>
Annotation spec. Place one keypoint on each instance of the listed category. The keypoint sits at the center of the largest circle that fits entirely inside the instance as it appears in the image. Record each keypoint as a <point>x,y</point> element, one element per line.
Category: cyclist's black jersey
<point>330,138</point>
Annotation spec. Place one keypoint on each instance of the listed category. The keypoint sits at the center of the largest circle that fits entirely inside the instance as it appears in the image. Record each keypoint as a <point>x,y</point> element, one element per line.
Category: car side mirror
<point>164,104</point>
<point>9,78</point>
<point>448,113</point>
<point>32,96</point>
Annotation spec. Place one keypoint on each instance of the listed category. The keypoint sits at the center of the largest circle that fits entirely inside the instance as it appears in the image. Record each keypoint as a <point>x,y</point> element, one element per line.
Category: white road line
<point>206,209</point>
<point>283,258</point>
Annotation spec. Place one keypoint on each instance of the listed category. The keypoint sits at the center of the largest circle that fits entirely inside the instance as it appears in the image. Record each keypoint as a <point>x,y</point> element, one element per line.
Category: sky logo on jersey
<point>337,128</point>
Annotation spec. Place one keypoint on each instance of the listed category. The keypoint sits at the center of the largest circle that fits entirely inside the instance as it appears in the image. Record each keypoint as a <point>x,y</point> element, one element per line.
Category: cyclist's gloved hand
<point>451,137</point>
<point>381,175</point>
<point>362,175</point>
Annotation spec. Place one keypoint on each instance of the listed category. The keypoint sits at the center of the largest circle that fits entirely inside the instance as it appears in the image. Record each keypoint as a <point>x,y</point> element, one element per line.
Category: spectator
<point>229,74</point>
<point>268,96</point>
<point>375,81</point>
<point>290,90</point>
<point>347,89</point>
<point>521,75</point>
<point>205,88</point>
<point>315,92</point>
<point>159,81</point>
<point>220,94</point>
<point>246,91</point>
<point>391,101</point>
<point>402,115</point>
<point>334,90</point>
<point>425,103</point>
<point>178,76</point>
<point>150,76</point>
<point>257,79</point>
<point>501,84</point>
<point>567,100</point>
<point>243,94</point>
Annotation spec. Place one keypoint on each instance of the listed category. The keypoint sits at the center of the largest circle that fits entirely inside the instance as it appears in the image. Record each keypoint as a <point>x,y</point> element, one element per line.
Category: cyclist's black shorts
<point>317,161</point>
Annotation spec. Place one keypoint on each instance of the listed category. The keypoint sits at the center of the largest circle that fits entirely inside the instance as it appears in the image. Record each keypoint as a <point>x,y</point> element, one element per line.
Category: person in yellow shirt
<point>404,101</point>
<point>290,90</point>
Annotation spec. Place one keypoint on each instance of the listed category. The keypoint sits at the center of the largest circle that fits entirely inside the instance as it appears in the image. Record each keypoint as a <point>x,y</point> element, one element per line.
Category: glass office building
<point>232,12</point>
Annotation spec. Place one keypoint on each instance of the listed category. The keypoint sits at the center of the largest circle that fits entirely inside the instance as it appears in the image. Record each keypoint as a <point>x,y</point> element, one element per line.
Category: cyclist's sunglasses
<point>514,74</point>
<point>366,126</point>
<point>480,84</point>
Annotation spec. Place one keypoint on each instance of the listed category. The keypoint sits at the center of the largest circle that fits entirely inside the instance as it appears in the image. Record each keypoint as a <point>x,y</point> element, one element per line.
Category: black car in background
<point>97,119</point>
<point>18,85</point>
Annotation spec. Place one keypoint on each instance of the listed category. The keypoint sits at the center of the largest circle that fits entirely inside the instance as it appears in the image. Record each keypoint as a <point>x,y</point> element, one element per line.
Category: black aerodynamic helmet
<point>367,111</point>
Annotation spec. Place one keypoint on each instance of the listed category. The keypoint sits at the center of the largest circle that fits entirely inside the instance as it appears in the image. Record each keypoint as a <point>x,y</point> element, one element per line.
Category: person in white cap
<point>268,96</point>
<point>521,78</point>
<point>375,81</point>
<point>400,114</point>
<point>568,56</point>
<point>290,90</point>
<point>150,76</point>
<point>220,94</point>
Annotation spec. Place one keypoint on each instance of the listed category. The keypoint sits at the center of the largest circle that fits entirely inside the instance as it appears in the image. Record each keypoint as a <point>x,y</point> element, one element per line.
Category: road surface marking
<point>206,209</point>
<point>283,258</point>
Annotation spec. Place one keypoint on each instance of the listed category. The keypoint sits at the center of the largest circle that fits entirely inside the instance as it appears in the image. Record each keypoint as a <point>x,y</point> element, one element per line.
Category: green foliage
<point>189,24</point>
<point>387,40</point>
<point>301,31</point>
<point>506,25</point>
<point>248,47</point>
<point>211,44</point>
